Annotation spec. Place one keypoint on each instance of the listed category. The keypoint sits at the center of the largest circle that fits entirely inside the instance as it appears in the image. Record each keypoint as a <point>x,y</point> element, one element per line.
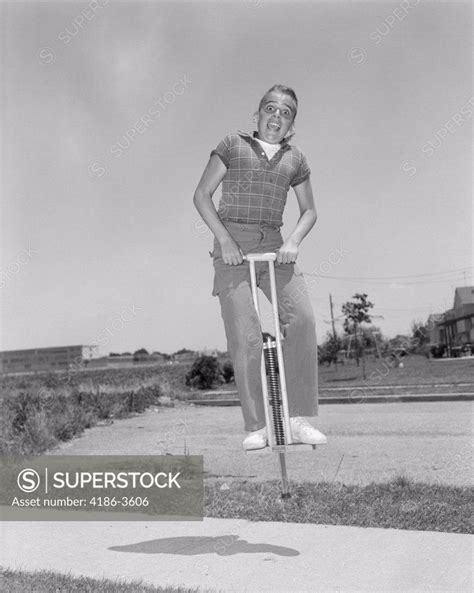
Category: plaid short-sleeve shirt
<point>254,189</point>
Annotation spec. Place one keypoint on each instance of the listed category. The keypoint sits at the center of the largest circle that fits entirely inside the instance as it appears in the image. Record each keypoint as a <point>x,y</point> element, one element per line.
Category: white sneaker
<point>256,439</point>
<point>303,432</point>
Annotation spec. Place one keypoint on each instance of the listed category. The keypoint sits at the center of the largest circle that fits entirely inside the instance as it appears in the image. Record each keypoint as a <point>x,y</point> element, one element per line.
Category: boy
<point>256,172</point>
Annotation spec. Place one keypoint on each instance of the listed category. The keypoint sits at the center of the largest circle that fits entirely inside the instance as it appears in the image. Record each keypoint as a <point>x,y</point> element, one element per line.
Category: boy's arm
<point>213,174</point>
<point>288,252</point>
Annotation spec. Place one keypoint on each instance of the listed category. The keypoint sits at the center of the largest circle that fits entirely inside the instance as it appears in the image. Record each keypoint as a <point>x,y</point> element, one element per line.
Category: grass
<point>45,581</point>
<point>99,380</point>
<point>42,409</point>
<point>398,504</point>
<point>33,422</point>
<point>416,370</point>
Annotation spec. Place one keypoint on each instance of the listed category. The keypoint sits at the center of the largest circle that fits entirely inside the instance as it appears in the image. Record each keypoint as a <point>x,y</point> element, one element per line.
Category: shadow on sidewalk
<point>224,545</point>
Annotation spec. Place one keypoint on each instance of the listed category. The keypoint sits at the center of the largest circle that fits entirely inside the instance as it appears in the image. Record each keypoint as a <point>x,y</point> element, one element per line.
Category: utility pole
<point>332,316</point>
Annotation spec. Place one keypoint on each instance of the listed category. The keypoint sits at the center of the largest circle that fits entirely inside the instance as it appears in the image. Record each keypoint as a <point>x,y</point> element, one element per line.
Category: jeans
<point>243,330</point>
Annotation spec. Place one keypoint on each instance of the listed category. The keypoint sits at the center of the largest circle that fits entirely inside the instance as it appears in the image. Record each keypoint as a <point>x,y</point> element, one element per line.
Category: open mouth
<point>274,126</point>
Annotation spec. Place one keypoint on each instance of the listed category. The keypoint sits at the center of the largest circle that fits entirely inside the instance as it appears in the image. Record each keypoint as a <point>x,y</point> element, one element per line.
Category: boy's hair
<point>286,90</point>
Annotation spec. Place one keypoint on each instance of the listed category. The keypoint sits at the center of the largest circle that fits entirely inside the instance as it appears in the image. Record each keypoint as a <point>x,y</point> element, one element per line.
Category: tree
<point>140,355</point>
<point>228,371</point>
<point>329,349</point>
<point>356,312</point>
<point>420,336</point>
<point>184,351</point>
<point>374,339</point>
<point>204,373</point>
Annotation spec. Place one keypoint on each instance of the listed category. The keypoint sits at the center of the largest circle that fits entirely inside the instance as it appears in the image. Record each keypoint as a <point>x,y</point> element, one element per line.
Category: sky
<point>109,111</point>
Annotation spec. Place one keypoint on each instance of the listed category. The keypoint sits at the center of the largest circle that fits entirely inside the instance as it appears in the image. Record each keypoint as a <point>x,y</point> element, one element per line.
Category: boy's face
<point>275,117</point>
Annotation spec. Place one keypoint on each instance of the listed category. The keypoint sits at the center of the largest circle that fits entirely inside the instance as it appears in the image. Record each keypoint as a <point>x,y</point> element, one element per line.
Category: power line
<point>410,309</point>
<point>340,301</point>
<point>457,270</point>
<point>450,275</point>
<point>450,280</point>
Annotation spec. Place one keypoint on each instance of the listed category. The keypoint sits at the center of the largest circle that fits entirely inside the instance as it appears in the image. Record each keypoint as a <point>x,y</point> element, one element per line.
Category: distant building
<point>45,359</point>
<point>126,360</point>
<point>455,328</point>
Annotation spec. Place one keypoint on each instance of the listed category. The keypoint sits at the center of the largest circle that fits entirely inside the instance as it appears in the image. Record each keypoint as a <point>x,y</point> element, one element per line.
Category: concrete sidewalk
<point>232,555</point>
